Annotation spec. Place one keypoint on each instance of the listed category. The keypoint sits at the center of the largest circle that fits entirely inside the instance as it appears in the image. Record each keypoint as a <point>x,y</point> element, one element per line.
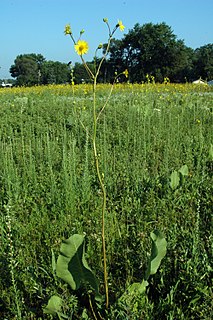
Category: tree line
<point>150,49</point>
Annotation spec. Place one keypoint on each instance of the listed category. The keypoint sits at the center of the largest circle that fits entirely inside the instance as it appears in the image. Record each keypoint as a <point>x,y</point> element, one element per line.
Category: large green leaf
<point>158,252</point>
<point>137,289</point>
<point>184,170</point>
<point>174,179</point>
<point>54,305</point>
<point>72,266</point>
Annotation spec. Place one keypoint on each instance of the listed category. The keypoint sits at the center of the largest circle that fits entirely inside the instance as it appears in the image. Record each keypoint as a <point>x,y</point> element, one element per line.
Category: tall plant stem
<point>100,178</point>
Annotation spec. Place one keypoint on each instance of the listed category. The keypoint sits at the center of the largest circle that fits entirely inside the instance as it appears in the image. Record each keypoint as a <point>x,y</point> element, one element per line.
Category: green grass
<point>49,191</point>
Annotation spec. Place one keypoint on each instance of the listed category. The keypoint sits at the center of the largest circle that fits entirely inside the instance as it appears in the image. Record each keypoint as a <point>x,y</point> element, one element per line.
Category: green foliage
<point>203,62</point>
<point>158,252</point>
<point>177,176</point>
<point>71,265</point>
<point>151,49</point>
<point>49,186</point>
<point>54,72</point>
<point>174,179</point>
<point>211,152</point>
<point>135,291</point>
<point>26,69</point>
<point>81,75</point>
<point>54,306</point>
<point>184,170</point>
<point>33,69</point>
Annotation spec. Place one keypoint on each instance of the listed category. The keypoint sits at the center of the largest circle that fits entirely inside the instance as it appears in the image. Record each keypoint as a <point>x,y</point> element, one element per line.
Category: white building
<point>6,85</point>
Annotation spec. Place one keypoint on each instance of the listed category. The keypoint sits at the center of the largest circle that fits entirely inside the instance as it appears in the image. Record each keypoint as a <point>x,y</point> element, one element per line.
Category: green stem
<point>92,309</point>
<point>102,189</point>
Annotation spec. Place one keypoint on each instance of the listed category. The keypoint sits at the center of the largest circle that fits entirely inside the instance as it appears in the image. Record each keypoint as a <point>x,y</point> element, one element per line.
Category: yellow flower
<point>120,25</point>
<point>126,73</point>
<point>67,29</point>
<point>81,47</point>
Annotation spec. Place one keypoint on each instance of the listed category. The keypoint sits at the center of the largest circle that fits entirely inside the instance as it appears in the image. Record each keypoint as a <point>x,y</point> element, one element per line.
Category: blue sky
<point>36,26</point>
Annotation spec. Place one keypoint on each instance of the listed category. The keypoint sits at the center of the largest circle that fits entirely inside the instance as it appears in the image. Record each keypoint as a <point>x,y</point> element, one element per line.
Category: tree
<point>26,69</point>
<point>151,49</point>
<point>54,72</point>
<point>80,74</point>
<point>203,62</point>
<point>32,69</point>
<point>116,62</point>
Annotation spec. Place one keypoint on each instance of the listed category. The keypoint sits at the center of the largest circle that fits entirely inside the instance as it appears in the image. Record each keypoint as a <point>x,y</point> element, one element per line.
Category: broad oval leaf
<point>54,305</point>
<point>138,287</point>
<point>134,290</point>
<point>174,179</point>
<point>72,266</point>
<point>184,170</point>
<point>158,252</point>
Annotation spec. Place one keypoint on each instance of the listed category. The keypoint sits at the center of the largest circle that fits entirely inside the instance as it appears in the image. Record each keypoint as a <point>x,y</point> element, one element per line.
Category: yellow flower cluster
<point>81,46</point>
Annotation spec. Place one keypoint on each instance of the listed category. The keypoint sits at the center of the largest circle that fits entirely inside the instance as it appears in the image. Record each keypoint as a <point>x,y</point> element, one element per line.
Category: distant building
<point>6,85</point>
<point>199,81</point>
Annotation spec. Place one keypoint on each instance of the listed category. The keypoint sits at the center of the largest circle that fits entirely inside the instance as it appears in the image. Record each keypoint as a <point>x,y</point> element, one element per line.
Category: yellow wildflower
<point>126,73</point>
<point>120,25</point>
<point>81,47</point>
<point>67,29</point>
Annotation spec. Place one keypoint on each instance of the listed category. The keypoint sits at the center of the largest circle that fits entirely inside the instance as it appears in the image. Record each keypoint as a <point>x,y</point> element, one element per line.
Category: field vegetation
<point>155,152</point>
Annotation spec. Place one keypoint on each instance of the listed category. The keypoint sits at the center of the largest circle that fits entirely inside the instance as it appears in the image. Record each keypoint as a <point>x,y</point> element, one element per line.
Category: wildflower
<point>100,46</point>
<point>81,47</point>
<point>105,20</point>
<point>67,29</point>
<point>126,73</point>
<point>120,25</point>
<point>82,31</point>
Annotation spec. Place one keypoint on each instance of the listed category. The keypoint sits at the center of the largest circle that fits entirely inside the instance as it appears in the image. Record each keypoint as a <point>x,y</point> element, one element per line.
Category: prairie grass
<point>48,182</point>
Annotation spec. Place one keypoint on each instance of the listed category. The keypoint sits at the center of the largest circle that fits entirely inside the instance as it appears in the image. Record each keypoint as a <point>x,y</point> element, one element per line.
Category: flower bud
<point>67,29</point>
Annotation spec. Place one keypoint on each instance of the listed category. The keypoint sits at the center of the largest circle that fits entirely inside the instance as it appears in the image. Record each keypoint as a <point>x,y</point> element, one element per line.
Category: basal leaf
<point>54,305</point>
<point>135,290</point>
<point>138,287</point>
<point>184,170</point>
<point>72,266</point>
<point>174,179</point>
<point>158,252</point>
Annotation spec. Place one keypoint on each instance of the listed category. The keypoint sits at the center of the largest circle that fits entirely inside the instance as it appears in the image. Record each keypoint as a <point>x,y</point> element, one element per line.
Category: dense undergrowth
<point>49,191</point>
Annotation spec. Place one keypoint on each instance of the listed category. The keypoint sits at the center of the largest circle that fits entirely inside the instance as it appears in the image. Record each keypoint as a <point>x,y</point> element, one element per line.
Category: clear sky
<point>36,26</point>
